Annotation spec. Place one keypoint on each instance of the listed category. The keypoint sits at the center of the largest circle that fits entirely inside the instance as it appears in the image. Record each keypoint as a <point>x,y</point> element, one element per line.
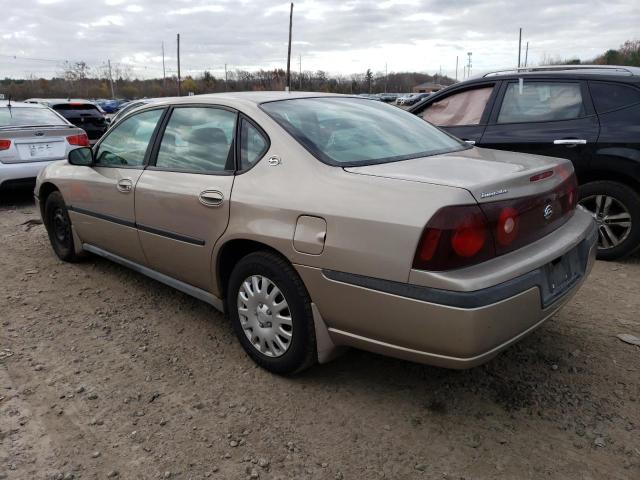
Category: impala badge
<point>548,211</point>
<point>502,191</point>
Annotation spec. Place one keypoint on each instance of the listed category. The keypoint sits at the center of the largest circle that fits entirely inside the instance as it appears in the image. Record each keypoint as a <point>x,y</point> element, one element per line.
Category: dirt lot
<point>107,374</point>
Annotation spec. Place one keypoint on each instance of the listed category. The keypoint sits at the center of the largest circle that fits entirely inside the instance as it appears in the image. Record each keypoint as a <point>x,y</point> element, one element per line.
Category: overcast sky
<point>336,36</point>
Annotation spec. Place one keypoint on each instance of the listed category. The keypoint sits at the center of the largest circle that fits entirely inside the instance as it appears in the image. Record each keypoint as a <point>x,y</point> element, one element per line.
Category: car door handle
<point>470,142</point>
<point>211,198</point>
<point>124,185</point>
<point>570,142</point>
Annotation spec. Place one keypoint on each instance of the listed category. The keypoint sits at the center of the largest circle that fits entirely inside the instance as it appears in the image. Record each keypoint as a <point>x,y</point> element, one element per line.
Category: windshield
<point>22,116</point>
<point>351,131</point>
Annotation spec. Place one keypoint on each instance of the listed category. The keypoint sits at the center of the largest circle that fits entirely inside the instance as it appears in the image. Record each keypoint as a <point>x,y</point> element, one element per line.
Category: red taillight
<point>455,237</point>
<point>80,140</point>
<point>470,236</point>
<point>461,236</point>
<point>541,176</point>
<point>5,144</point>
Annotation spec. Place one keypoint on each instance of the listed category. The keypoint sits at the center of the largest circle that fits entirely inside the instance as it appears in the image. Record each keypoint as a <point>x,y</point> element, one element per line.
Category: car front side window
<point>541,102</point>
<point>126,145</point>
<point>198,140</point>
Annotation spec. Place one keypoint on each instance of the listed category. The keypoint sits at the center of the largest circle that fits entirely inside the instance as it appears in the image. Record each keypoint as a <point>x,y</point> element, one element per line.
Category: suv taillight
<point>80,140</point>
<point>460,236</point>
<point>5,144</point>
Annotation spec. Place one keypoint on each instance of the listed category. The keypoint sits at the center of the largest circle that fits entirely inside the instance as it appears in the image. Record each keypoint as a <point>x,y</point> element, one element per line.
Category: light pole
<point>469,64</point>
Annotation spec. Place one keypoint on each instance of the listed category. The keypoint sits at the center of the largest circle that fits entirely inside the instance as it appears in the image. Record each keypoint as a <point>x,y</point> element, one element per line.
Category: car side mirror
<point>82,157</point>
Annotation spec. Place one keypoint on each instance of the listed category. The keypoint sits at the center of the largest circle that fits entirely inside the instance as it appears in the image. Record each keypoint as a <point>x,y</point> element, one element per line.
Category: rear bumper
<point>27,171</point>
<point>444,328</point>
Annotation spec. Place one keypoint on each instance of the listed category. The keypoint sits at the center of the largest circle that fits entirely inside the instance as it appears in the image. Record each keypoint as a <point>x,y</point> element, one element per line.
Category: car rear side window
<point>463,108</point>
<point>126,145</point>
<point>198,139</point>
<point>253,145</point>
<point>541,102</point>
<point>612,96</point>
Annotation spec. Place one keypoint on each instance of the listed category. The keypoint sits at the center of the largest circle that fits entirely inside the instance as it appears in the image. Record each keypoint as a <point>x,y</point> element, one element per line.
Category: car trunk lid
<point>35,144</point>
<point>488,174</point>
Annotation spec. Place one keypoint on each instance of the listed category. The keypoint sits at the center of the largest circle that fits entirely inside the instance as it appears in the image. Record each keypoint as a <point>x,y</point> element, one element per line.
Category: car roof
<point>60,101</point>
<point>4,103</point>
<point>255,98</point>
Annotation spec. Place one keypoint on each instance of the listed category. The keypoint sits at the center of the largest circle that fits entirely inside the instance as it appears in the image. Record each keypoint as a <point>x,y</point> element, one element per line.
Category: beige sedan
<point>322,221</point>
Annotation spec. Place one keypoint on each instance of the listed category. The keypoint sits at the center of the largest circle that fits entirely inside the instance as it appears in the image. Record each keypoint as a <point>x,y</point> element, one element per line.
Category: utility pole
<point>456,68</point>
<point>164,73</point>
<point>226,79</point>
<point>179,65</point>
<point>526,55</point>
<point>300,74</point>
<point>519,47</point>
<point>288,87</point>
<point>386,77</point>
<point>469,64</point>
<point>113,95</point>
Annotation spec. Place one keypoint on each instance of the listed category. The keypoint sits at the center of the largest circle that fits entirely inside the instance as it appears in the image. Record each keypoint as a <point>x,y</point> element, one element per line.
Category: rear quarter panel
<point>373,223</point>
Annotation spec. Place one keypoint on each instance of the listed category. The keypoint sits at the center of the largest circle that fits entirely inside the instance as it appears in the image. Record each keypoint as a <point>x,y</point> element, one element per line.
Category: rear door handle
<point>570,142</point>
<point>124,185</point>
<point>469,142</point>
<point>211,198</point>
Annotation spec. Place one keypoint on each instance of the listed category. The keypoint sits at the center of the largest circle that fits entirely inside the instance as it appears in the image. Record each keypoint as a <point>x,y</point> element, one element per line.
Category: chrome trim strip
<point>160,277</point>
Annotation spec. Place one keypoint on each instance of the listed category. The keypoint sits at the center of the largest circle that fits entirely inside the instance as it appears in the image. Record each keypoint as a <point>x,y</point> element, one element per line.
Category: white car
<point>31,137</point>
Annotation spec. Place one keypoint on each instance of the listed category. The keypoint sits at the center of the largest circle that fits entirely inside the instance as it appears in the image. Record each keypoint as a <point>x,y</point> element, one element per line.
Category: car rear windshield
<point>23,116</point>
<point>352,131</point>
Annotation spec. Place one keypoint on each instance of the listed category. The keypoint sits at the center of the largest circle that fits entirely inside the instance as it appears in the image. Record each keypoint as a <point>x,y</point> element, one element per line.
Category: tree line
<point>77,80</point>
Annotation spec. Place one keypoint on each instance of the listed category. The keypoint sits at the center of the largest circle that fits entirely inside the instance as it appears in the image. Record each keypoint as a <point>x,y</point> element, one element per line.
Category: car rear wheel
<point>58,224</point>
<point>270,310</point>
<point>616,210</point>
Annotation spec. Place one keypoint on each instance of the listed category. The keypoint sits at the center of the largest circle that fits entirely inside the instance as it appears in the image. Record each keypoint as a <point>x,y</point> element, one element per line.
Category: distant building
<point>427,87</point>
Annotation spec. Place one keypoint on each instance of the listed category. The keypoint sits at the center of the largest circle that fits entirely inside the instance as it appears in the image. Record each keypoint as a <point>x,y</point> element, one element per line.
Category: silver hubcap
<point>612,218</point>
<point>265,316</point>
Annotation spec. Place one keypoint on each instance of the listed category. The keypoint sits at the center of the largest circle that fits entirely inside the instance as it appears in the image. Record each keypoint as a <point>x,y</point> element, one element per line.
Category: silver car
<point>31,137</point>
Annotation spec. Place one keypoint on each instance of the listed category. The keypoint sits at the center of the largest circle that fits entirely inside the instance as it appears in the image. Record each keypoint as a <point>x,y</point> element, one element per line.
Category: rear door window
<point>541,102</point>
<point>612,96</point>
<point>463,108</point>
<point>198,140</point>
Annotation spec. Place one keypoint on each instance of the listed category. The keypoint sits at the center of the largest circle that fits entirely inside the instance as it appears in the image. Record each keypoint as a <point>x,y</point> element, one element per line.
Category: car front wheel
<point>616,210</point>
<point>58,224</point>
<point>270,310</point>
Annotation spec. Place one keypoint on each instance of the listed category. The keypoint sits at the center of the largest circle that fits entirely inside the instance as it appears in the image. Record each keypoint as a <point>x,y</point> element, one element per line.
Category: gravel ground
<point>107,374</point>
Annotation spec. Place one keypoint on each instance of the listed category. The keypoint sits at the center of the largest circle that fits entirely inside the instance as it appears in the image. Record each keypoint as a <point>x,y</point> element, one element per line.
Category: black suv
<point>587,114</point>
<point>82,113</point>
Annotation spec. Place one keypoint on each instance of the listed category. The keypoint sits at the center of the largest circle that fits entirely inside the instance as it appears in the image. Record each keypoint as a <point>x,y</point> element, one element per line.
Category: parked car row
<point>589,115</point>
<point>421,247</point>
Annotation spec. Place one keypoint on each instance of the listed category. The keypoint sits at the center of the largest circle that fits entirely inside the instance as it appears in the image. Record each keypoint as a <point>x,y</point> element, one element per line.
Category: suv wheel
<point>270,310</point>
<point>58,224</point>
<point>616,210</point>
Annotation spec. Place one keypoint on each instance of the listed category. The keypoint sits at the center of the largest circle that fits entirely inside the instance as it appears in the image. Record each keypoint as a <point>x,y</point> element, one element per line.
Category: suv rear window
<point>351,131</point>
<point>69,107</point>
<point>611,96</point>
<point>23,116</point>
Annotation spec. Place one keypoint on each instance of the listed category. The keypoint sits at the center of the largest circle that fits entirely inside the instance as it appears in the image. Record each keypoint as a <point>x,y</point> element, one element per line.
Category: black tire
<point>58,224</point>
<point>301,352</point>
<point>630,201</point>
